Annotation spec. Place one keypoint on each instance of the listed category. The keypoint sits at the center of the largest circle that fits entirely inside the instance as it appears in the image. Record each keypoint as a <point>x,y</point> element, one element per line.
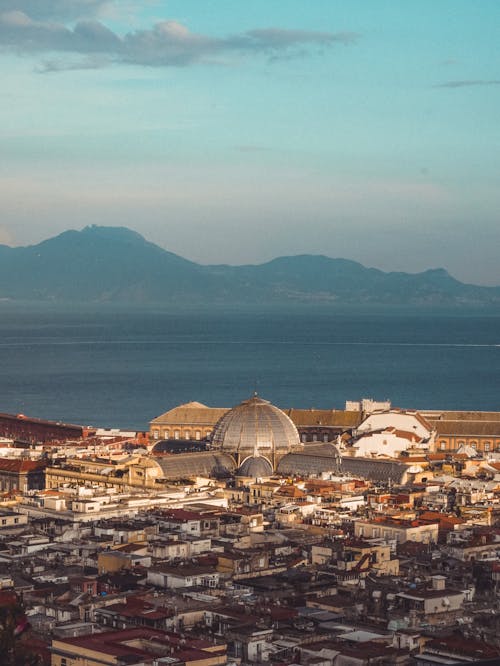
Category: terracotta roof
<point>442,518</point>
<point>290,491</point>
<point>324,417</point>
<point>469,647</point>
<point>181,515</point>
<point>119,643</point>
<point>468,428</point>
<point>462,416</point>
<point>32,419</point>
<point>191,413</point>
<point>19,466</point>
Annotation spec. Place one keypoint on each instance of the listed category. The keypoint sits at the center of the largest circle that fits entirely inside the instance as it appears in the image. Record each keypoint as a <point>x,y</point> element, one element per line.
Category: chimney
<point>438,582</point>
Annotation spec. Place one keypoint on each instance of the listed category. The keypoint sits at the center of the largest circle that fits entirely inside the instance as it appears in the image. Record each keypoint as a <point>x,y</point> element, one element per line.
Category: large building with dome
<point>196,421</point>
<point>255,428</point>
<point>256,439</point>
<point>254,435</point>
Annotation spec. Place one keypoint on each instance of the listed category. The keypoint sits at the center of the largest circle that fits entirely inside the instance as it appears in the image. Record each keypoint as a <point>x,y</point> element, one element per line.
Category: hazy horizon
<point>239,132</point>
<point>257,263</point>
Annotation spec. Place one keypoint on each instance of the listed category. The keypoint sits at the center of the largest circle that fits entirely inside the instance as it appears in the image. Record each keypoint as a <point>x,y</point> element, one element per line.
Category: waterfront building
<point>30,430</point>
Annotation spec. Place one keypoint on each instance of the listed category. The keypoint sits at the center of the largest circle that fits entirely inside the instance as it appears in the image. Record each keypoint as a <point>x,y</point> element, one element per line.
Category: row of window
<point>177,434</point>
<point>484,446</point>
<point>314,438</point>
<point>4,521</point>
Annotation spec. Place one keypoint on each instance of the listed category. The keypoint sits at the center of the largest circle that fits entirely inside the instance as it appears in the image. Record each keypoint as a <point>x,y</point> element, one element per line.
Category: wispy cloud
<point>32,27</point>
<point>64,10</point>
<point>66,65</point>
<point>468,83</point>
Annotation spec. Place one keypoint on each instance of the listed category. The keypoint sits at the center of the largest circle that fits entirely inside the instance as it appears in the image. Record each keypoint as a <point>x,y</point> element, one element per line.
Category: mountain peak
<point>112,233</point>
<point>115,264</point>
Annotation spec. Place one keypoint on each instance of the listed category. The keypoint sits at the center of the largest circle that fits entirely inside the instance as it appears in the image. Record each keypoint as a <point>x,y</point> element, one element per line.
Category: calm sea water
<point>124,368</point>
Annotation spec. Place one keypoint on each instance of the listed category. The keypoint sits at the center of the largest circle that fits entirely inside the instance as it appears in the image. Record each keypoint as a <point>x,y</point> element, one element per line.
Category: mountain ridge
<point>101,264</point>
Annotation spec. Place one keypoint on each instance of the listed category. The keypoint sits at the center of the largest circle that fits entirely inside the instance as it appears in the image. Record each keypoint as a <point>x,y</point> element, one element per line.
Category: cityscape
<point>249,333</point>
<point>252,535</point>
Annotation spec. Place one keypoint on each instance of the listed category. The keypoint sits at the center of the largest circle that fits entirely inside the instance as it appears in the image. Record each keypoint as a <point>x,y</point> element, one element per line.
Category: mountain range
<point>117,265</point>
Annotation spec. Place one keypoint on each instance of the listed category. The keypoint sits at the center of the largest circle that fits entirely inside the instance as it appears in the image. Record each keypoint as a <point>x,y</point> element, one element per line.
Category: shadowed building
<point>21,475</point>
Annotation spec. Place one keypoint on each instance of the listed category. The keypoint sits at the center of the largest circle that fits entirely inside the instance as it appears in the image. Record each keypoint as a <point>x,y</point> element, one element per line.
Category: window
<point>486,446</point>
<point>443,445</point>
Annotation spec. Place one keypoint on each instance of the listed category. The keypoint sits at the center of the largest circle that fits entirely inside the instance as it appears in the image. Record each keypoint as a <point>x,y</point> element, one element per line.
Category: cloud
<point>65,10</point>
<point>279,39</point>
<point>468,83</point>
<point>64,65</point>
<point>20,32</point>
<point>167,44</point>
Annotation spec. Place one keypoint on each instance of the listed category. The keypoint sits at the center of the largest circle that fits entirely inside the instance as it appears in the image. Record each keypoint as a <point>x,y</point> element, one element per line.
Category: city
<point>250,535</point>
<point>249,333</point>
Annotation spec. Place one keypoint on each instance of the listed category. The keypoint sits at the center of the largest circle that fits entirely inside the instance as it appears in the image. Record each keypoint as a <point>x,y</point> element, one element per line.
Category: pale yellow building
<point>192,420</point>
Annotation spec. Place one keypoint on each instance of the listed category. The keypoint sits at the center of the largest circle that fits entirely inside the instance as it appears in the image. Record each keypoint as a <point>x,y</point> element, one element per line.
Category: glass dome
<point>255,427</point>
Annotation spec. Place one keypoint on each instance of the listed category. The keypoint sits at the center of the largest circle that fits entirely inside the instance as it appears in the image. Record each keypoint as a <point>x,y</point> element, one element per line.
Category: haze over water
<point>117,369</point>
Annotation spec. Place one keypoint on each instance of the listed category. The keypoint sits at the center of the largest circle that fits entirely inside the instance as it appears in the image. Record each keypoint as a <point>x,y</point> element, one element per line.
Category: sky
<point>234,132</point>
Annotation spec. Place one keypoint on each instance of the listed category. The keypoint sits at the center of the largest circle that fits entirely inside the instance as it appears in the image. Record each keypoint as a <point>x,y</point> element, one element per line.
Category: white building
<point>388,442</point>
<point>410,422</point>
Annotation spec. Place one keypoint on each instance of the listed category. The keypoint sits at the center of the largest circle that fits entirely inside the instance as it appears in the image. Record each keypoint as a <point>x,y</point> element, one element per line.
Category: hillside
<point>117,265</point>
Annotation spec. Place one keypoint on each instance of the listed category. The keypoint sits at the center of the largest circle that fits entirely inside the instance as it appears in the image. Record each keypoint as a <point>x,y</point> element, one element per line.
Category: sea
<point>120,368</point>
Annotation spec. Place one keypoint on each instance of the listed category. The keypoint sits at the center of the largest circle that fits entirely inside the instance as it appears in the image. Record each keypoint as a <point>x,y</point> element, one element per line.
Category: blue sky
<point>231,131</point>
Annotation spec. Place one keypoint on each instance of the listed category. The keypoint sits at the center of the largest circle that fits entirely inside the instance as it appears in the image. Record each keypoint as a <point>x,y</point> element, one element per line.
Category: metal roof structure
<point>255,467</point>
<point>256,427</point>
<point>187,465</point>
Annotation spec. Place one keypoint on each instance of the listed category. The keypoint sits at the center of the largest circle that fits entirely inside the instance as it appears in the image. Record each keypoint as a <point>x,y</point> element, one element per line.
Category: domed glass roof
<point>256,467</point>
<point>255,427</point>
